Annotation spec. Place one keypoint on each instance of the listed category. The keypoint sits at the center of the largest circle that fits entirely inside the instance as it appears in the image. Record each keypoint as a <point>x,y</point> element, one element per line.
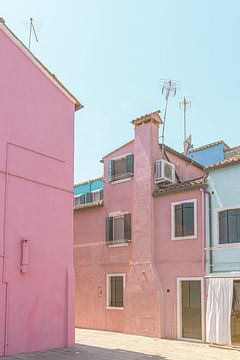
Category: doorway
<point>235,314</point>
<point>190,309</point>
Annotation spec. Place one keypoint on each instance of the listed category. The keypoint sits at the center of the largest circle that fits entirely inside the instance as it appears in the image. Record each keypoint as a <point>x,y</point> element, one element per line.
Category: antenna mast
<point>32,30</point>
<point>186,105</point>
<point>169,88</point>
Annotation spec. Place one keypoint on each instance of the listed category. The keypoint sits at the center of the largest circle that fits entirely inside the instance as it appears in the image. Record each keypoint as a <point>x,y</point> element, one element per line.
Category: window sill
<point>114,308</point>
<point>120,181</point>
<point>125,243</point>
<point>192,237</point>
<point>229,246</point>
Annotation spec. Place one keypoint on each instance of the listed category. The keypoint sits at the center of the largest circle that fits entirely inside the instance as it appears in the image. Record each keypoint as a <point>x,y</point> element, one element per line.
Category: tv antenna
<point>185,105</point>
<point>169,89</point>
<point>32,30</point>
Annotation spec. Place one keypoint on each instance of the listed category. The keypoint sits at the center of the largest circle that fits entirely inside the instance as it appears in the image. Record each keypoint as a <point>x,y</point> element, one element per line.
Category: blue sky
<point>112,54</point>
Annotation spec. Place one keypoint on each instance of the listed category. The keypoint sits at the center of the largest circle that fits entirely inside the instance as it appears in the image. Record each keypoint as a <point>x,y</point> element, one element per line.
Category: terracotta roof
<point>179,187</point>
<point>39,64</point>
<point>208,146</point>
<point>90,205</point>
<point>182,156</point>
<point>227,162</point>
<point>153,116</point>
<point>89,181</point>
<point>129,142</point>
<point>235,148</point>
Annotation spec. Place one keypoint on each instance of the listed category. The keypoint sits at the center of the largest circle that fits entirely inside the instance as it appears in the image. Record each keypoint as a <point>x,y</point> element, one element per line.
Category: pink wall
<point>152,261</point>
<point>36,180</point>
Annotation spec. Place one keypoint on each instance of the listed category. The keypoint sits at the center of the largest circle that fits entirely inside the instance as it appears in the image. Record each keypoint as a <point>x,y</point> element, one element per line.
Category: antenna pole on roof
<point>185,105</point>
<point>32,30</point>
<point>169,88</point>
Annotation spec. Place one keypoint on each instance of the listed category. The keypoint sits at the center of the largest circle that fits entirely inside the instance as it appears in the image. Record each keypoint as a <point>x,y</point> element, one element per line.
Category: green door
<point>191,309</point>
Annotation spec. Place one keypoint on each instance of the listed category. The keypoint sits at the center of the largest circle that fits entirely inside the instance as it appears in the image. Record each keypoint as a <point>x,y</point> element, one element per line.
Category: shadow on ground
<point>96,353</point>
<point>84,352</point>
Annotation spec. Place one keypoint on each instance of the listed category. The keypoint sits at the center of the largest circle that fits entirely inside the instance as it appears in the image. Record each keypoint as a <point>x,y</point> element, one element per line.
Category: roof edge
<point>89,181</point>
<point>118,148</point>
<point>206,146</point>
<point>39,64</point>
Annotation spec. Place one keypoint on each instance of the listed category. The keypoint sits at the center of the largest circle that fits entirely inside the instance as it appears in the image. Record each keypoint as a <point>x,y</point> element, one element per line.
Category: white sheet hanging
<point>219,306</point>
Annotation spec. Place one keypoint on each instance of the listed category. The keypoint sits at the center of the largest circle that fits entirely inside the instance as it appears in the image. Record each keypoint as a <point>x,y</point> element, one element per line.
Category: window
<point>79,199</point>
<point>184,219</point>
<point>115,289</point>
<point>94,196</point>
<point>121,168</point>
<point>229,226</point>
<point>118,229</point>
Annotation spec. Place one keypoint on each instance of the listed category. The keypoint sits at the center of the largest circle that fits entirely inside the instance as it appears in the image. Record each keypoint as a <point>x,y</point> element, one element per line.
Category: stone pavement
<point>102,345</point>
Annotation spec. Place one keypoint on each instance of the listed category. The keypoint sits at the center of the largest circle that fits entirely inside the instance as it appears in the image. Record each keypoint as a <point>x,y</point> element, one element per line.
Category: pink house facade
<point>36,221</point>
<point>139,253</point>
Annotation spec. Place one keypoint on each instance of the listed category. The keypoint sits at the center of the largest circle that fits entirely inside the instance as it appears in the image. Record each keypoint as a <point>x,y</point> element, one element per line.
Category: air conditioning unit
<point>164,172</point>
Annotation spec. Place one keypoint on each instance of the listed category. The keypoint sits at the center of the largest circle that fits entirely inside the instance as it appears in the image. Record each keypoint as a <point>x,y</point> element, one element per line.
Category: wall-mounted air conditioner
<point>164,172</point>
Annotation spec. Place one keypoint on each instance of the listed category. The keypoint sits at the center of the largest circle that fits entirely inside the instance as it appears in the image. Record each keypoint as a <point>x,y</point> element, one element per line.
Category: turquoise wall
<point>224,183</point>
<point>88,187</point>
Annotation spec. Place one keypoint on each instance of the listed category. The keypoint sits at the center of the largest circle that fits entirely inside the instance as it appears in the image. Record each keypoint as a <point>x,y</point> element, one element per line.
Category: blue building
<point>209,154</point>
<point>223,250</point>
<point>88,192</point>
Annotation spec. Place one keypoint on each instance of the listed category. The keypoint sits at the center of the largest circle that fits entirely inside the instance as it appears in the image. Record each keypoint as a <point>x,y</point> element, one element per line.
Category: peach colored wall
<point>36,181</point>
<point>147,260</point>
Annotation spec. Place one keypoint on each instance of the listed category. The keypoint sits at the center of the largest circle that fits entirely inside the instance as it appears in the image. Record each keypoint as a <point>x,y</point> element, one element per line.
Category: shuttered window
<point>115,290</point>
<point>79,199</point>
<point>118,229</point>
<point>229,226</point>
<point>94,196</point>
<point>184,219</point>
<point>121,168</point>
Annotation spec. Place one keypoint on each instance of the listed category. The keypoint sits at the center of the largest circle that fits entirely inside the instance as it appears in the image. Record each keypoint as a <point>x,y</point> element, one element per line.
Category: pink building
<point>36,220</point>
<point>139,253</point>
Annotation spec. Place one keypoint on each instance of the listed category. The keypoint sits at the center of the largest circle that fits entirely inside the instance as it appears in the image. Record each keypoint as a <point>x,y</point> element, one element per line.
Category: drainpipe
<point>210,228</point>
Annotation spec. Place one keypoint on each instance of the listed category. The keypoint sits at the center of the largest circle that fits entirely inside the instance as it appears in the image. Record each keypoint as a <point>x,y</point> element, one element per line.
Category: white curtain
<point>219,306</point>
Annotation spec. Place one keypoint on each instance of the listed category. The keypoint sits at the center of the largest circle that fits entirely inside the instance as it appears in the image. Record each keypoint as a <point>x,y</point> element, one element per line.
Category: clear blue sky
<point>112,54</point>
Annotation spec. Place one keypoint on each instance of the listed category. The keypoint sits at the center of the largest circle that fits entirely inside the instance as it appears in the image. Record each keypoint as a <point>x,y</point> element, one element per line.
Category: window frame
<point>122,242</point>
<point>78,196</point>
<point>216,227</point>
<point>108,290</point>
<point>93,192</point>
<point>173,204</point>
<point>121,179</point>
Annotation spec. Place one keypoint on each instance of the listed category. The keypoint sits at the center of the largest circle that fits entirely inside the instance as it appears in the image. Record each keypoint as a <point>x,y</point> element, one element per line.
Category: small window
<point>79,199</point>
<point>229,226</point>
<point>121,168</point>
<point>94,196</point>
<point>118,229</point>
<point>115,289</point>
<point>184,219</point>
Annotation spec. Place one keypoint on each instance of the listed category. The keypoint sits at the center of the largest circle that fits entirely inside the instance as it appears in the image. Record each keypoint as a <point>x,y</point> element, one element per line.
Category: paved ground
<point>101,345</point>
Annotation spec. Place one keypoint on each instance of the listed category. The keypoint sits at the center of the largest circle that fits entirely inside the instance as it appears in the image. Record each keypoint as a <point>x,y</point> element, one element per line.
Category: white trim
<point>118,214</point>
<point>35,61</point>
<point>173,204</point>
<point>119,157</point>
<point>121,180</point>
<point>124,243</point>
<point>216,228</point>
<point>179,307</point>
<point>108,307</point>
